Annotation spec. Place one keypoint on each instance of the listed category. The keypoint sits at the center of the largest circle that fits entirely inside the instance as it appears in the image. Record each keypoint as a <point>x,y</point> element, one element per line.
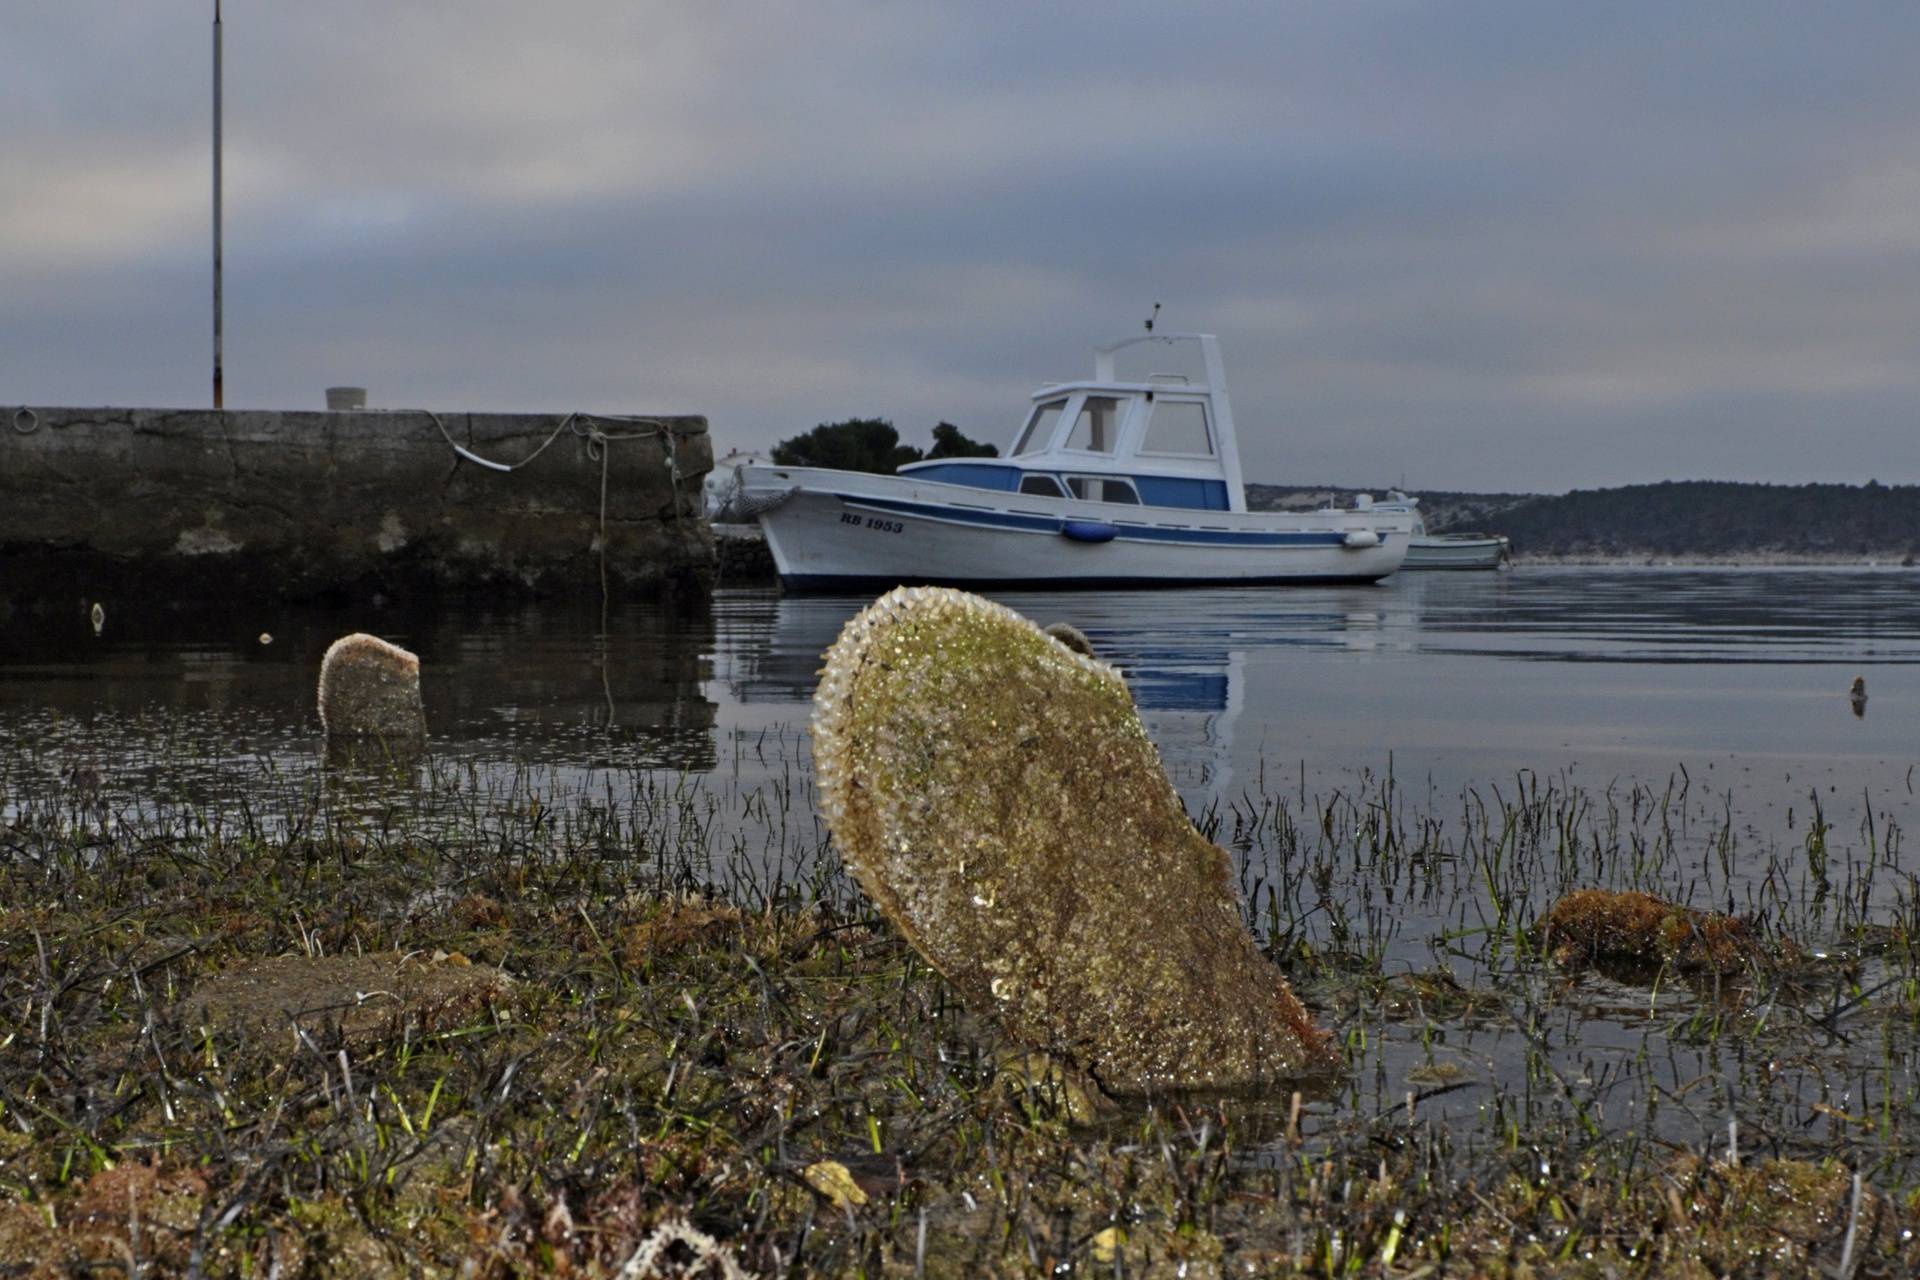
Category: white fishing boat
<point>1447,550</point>
<point>1109,482</point>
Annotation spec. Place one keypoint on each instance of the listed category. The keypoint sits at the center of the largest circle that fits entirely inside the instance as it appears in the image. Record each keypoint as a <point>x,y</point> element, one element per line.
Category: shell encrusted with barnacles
<point>996,794</point>
<point>371,689</point>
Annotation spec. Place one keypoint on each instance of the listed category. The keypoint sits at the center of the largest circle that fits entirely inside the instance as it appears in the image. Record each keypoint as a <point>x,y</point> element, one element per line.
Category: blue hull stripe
<point>828,582</point>
<point>1126,532</point>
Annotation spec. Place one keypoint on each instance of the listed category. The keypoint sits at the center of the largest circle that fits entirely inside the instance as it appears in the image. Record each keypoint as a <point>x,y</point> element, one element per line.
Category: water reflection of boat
<point>772,643</point>
<point>1111,481</point>
<point>1188,682</point>
<point>1191,708</point>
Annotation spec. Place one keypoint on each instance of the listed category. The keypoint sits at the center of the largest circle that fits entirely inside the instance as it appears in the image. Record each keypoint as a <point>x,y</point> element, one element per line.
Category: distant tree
<point>858,444</point>
<point>948,442</point>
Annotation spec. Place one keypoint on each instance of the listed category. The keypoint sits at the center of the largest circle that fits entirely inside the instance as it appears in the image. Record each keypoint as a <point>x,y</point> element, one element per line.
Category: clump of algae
<point>995,793</point>
<point>1634,930</point>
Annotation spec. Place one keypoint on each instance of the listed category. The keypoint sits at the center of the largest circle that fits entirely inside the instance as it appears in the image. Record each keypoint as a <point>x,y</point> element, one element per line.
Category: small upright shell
<point>371,689</point>
<point>1072,637</point>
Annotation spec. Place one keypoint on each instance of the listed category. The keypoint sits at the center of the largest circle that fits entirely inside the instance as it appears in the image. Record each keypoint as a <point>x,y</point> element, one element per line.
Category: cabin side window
<point>1103,489</point>
<point>1097,429</point>
<point>1039,432</point>
<point>1041,486</point>
<point>1179,427</point>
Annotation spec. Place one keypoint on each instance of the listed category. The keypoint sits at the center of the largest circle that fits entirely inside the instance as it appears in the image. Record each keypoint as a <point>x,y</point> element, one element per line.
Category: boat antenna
<point>1156,311</point>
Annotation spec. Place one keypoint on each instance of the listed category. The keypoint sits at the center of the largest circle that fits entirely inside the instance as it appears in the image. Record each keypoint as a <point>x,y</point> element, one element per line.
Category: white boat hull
<point>1440,551</point>
<point>831,530</point>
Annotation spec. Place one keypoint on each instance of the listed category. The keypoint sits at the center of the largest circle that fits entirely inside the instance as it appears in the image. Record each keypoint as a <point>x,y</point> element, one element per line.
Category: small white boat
<point>1110,482</point>
<point>1447,550</point>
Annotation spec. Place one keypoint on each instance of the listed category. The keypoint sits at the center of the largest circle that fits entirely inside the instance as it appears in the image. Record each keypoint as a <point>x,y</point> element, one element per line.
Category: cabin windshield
<point>1179,427</point>
<point>1039,430</point>
<point>1097,429</point>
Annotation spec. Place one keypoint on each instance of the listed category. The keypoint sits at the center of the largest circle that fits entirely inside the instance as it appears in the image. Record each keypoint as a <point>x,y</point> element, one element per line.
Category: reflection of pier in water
<point>630,697</point>
<point>200,700</point>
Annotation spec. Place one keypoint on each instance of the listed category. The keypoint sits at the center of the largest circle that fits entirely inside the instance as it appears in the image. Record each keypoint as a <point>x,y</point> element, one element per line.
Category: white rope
<point>597,441</point>
<point>583,427</point>
<point>31,424</point>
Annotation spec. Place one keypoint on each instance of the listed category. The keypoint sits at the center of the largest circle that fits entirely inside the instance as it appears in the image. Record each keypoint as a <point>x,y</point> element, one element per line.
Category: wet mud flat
<point>461,1023</point>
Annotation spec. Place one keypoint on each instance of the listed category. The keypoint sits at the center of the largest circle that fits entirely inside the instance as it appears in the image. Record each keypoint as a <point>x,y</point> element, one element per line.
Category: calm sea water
<point>1448,680</point>
<point>1709,704</point>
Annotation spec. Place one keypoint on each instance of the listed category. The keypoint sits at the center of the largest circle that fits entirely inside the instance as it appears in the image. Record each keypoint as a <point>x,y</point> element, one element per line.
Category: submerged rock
<point>365,996</point>
<point>370,689</point>
<point>1632,930</point>
<point>995,793</point>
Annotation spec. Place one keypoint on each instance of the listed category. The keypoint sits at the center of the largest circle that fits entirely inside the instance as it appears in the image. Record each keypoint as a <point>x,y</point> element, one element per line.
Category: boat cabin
<point>1162,441</point>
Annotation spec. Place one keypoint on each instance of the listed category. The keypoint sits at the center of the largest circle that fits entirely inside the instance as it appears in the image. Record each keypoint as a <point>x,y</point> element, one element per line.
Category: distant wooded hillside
<point>1708,518</point>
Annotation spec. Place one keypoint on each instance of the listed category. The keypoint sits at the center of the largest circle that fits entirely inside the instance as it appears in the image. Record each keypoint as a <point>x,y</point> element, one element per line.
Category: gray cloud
<point>1474,245</point>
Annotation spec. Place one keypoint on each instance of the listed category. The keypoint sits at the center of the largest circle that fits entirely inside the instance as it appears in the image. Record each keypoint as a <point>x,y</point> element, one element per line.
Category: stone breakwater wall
<point>742,554</point>
<point>196,504</point>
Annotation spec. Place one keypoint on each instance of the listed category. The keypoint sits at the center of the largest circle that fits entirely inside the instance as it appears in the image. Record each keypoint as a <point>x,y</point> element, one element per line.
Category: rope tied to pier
<point>597,439</point>
<point>582,425</point>
<point>30,424</point>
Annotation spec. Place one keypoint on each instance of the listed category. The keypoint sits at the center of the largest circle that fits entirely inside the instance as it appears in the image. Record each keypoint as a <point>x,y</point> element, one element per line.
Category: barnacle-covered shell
<point>371,689</point>
<point>995,793</point>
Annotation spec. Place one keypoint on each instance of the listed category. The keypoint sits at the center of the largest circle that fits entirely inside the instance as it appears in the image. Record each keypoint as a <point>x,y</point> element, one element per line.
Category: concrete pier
<point>197,504</point>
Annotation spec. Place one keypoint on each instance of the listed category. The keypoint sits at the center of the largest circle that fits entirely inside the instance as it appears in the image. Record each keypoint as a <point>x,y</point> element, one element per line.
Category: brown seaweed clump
<point>1633,930</point>
<point>370,689</point>
<point>995,793</point>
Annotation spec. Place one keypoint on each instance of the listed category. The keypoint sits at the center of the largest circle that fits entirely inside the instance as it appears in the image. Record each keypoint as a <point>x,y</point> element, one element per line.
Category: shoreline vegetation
<point>450,1022</point>
<point>1688,522</point>
<point>1779,560</point>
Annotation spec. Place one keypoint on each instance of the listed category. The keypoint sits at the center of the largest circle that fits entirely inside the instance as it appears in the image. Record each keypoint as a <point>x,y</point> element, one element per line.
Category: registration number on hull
<point>870,522</point>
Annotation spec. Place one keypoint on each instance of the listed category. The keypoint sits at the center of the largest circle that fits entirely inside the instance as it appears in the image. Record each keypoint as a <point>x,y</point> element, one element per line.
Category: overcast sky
<point>1478,246</point>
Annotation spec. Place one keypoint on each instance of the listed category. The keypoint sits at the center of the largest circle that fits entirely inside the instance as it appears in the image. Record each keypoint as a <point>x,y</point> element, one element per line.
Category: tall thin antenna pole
<point>218,398</point>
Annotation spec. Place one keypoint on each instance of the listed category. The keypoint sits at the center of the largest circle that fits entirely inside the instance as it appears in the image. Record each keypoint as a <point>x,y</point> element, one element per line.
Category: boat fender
<point>1089,530</point>
<point>1360,539</point>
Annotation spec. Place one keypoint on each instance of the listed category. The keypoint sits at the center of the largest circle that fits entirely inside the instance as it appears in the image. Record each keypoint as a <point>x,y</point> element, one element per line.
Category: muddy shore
<point>427,1030</point>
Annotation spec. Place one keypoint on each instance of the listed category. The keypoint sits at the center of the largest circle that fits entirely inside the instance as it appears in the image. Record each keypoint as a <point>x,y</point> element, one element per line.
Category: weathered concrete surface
<point>742,555</point>
<point>99,503</point>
